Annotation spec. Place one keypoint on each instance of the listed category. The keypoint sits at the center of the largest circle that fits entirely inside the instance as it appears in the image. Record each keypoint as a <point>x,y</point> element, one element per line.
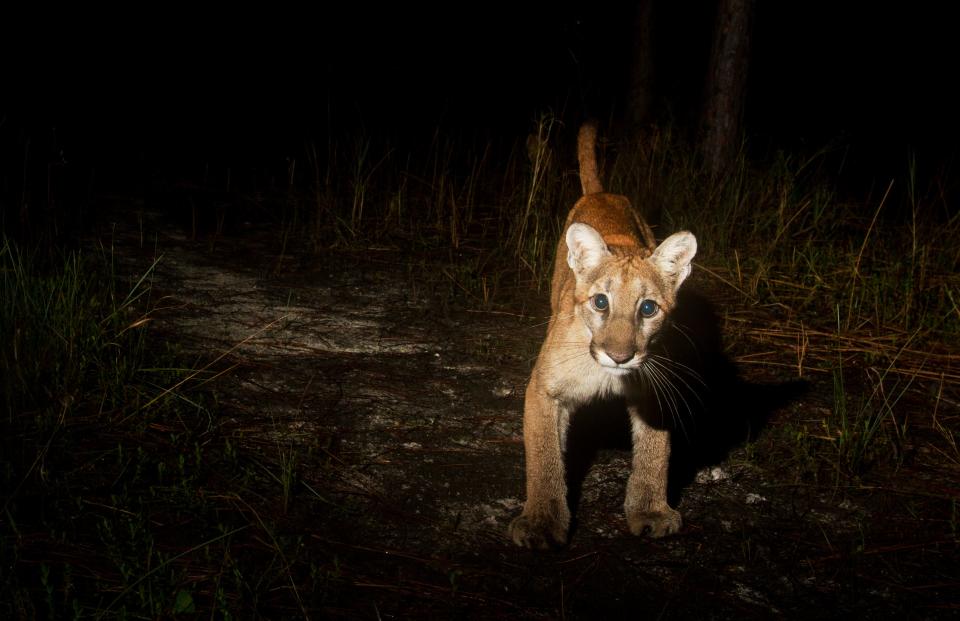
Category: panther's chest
<point>586,381</point>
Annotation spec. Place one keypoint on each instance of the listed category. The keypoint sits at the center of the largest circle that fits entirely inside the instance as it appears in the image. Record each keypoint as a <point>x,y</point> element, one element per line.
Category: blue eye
<point>648,308</point>
<point>600,302</point>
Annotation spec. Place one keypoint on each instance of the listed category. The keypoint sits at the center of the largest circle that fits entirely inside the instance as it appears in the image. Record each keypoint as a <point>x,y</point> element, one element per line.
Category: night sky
<point>238,83</point>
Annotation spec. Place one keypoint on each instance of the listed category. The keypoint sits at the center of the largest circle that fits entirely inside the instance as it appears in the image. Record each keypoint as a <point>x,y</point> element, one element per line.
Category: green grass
<point>121,496</point>
<point>78,403</point>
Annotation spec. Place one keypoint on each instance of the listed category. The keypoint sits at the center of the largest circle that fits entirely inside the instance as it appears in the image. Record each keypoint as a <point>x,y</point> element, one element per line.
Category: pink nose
<point>620,356</point>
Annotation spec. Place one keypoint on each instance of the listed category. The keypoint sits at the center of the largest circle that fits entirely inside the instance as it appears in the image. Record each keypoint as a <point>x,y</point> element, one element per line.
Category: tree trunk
<point>640,87</point>
<point>726,84</point>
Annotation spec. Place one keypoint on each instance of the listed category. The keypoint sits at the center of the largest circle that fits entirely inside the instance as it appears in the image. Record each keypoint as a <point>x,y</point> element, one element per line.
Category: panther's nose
<point>621,357</point>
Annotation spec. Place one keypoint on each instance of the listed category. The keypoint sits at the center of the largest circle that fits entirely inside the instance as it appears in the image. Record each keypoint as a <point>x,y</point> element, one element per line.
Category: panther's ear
<point>673,257</point>
<point>586,249</point>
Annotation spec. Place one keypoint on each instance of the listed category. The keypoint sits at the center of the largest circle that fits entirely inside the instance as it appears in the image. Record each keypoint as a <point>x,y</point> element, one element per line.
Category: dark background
<point>177,83</point>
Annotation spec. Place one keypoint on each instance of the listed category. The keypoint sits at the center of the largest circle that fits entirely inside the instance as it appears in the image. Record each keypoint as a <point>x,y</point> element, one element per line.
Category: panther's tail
<point>587,154</point>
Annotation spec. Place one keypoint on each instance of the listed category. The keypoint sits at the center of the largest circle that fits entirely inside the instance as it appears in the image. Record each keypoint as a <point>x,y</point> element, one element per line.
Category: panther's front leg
<point>545,520</point>
<point>646,502</point>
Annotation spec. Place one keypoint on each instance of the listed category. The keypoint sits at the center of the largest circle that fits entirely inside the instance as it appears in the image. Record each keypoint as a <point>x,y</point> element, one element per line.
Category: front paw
<point>541,530</point>
<point>657,523</point>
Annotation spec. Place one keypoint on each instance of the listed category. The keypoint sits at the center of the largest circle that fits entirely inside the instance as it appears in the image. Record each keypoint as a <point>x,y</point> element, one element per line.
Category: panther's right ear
<point>586,249</point>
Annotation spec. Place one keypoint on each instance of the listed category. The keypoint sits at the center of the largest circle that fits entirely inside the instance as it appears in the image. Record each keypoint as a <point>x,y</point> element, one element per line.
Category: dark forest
<point>274,282</point>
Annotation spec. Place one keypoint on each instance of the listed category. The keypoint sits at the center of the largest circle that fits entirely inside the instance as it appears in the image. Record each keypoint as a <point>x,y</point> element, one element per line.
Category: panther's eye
<point>600,302</point>
<point>648,308</point>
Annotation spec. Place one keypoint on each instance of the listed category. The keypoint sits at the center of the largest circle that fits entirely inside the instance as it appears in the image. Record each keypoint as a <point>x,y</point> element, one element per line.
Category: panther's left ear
<point>673,257</point>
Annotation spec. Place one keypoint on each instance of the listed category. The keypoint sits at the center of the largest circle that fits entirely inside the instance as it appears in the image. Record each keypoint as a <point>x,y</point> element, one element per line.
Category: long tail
<point>587,154</point>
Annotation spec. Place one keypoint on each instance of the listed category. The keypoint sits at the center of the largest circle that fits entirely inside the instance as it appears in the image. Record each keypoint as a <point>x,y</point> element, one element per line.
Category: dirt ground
<point>401,402</point>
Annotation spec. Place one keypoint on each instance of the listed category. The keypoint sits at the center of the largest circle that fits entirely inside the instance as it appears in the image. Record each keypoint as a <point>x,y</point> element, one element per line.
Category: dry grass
<point>858,296</point>
<point>811,283</point>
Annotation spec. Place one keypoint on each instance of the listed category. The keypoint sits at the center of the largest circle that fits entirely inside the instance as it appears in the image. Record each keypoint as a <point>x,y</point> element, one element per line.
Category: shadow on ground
<point>710,409</point>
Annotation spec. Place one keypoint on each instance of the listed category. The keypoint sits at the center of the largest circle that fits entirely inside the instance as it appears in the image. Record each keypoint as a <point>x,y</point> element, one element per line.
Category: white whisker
<point>663,374</point>
<point>680,328</point>
<point>655,382</point>
<point>667,363</point>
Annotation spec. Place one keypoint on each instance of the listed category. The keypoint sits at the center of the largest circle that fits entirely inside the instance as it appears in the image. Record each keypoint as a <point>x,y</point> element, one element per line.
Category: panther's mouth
<point>612,366</point>
<point>619,371</point>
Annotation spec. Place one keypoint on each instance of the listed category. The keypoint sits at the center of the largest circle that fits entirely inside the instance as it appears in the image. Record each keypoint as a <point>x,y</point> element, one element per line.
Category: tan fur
<point>607,249</point>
